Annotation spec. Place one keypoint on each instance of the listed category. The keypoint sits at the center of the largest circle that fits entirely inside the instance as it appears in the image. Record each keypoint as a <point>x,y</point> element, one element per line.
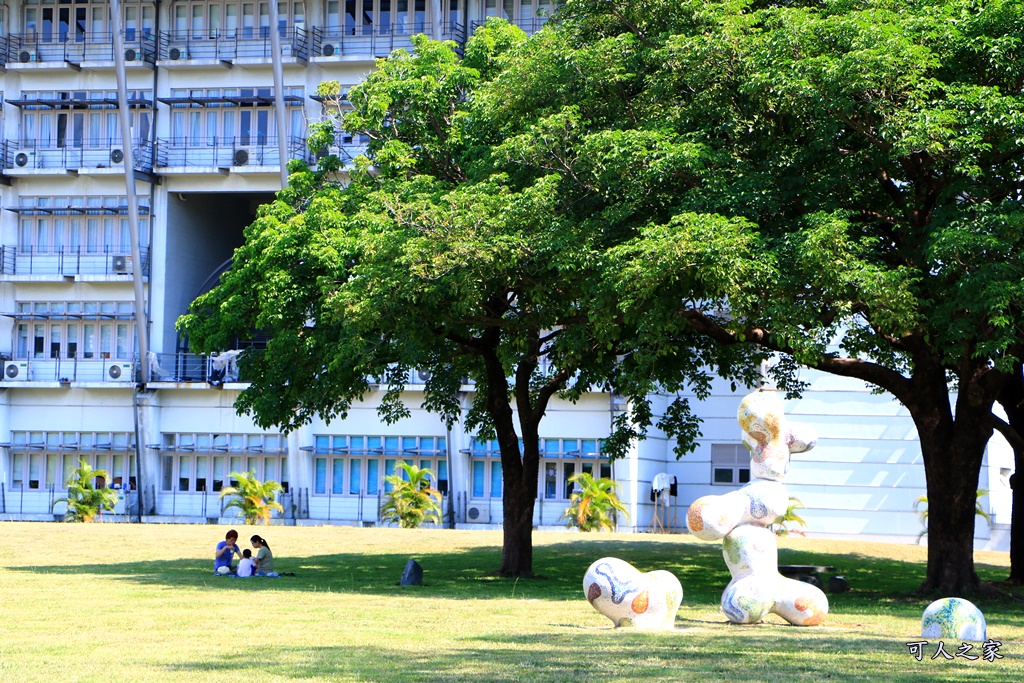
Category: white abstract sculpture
<point>741,519</point>
<point>629,597</point>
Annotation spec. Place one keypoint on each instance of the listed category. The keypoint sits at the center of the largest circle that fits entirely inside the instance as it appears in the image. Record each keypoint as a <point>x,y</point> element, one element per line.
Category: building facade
<point>205,140</point>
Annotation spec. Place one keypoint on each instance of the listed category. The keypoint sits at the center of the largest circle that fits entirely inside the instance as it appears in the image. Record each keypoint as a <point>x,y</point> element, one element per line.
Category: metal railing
<point>346,152</point>
<point>64,261</point>
<point>215,44</point>
<point>66,370</point>
<point>192,367</point>
<point>456,32</point>
<point>375,41</point>
<point>529,26</point>
<point>79,154</point>
<point>75,47</point>
<point>251,150</point>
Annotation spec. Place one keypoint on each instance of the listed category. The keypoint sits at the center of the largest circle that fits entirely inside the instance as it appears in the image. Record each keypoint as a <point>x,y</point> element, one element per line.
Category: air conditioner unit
<point>21,159</point>
<point>423,375</point>
<point>241,157</point>
<point>25,57</point>
<point>119,263</point>
<point>116,156</point>
<point>176,53</point>
<point>121,372</point>
<point>130,55</point>
<point>478,515</point>
<point>16,371</point>
<point>327,50</point>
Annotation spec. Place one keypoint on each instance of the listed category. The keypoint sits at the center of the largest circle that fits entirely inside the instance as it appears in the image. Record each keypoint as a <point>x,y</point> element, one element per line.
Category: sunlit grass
<point>117,602</point>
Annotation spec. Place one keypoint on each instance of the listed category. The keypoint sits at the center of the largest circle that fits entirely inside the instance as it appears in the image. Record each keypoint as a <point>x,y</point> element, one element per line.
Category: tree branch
<point>876,374</point>
<point>1009,433</point>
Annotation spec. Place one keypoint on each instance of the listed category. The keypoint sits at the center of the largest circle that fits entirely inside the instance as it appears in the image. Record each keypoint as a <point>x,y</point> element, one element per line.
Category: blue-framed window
<point>354,465</point>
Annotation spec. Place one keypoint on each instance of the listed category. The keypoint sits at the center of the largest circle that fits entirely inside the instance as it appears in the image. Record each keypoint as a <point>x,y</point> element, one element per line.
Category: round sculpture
<point>953,618</point>
<point>631,598</point>
<point>740,519</point>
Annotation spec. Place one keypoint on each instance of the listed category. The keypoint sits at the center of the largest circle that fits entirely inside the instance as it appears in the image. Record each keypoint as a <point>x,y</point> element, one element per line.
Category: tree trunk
<point>1017,520</point>
<point>1012,400</point>
<point>953,450</point>
<point>517,548</point>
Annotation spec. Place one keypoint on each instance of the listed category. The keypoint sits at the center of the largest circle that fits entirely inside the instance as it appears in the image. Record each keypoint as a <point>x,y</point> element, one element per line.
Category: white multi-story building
<point>205,141</point>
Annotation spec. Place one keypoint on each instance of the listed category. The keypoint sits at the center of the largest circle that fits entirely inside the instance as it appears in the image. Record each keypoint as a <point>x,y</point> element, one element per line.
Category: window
<point>83,330</point>
<point>73,225</point>
<point>529,15</point>
<point>376,17</point>
<point>211,117</point>
<point>730,464</point>
<point>87,21</point>
<point>203,463</point>
<point>43,461</point>
<point>89,119</point>
<point>561,459</point>
<point>202,19</point>
<point>485,469</point>
<point>356,465</point>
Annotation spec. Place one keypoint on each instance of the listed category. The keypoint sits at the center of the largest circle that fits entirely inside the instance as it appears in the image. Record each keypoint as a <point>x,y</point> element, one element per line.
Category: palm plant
<point>593,503</point>
<point>922,512</point>
<point>85,501</point>
<point>253,498</point>
<point>780,526</point>
<point>411,500</point>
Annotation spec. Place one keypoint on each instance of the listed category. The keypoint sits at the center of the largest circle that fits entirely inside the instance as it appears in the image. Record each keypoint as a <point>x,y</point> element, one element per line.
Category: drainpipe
<point>141,319</point>
<point>141,322</point>
<point>275,50</point>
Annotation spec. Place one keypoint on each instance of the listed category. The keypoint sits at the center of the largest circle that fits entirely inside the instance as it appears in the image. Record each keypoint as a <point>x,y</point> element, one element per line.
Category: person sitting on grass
<point>226,551</point>
<point>264,558</point>
<point>246,566</point>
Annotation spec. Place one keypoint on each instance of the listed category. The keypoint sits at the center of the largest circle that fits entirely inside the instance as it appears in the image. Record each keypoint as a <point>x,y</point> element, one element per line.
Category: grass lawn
<point>119,602</point>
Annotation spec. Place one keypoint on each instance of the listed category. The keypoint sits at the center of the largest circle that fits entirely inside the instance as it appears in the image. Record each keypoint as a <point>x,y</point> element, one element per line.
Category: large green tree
<point>866,158</point>
<point>446,252</point>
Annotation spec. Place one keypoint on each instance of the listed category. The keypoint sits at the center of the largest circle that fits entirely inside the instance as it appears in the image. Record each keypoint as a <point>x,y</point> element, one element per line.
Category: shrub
<point>592,505</point>
<point>253,498</point>
<point>85,501</point>
<point>411,500</point>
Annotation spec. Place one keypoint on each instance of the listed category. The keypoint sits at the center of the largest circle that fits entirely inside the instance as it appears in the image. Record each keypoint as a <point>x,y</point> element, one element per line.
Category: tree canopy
<point>446,251</point>
<point>865,160</point>
<point>836,181</point>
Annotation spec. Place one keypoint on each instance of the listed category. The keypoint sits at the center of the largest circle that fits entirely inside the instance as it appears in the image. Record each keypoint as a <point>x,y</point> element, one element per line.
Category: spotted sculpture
<point>954,618</point>
<point>741,519</point>
<point>631,598</point>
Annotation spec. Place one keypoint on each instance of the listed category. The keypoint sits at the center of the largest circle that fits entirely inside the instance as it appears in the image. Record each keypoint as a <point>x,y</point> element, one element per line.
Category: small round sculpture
<point>953,618</point>
<point>631,598</point>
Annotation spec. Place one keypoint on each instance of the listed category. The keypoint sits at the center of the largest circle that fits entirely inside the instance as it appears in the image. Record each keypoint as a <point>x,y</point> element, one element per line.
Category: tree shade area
<point>642,193</point>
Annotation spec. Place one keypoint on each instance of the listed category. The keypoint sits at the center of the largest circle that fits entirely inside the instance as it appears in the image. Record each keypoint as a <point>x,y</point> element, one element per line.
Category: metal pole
<point>141,322</point>
<point>275,49</point>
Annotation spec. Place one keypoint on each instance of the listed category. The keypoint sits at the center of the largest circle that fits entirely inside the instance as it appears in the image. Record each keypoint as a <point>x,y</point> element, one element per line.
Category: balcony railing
<point>75,47</point>
<point>216,369</point>
<point>454,31</point>
<point>227,46</point>
<point>114,371</point>
<point>376,41</point>
<point>252,150</point>
<point>67,261</point>
<point>77,155</point>
<point>346,152</point>
<point>529,26</point>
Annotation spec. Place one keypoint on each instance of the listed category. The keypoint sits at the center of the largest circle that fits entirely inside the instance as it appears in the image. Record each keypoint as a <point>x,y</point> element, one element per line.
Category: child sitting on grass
<point>246,566</point>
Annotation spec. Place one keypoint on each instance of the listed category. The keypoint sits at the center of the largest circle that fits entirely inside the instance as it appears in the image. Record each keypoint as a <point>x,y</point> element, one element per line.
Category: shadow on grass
<point>604,655</point>
<point>879,586</point>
